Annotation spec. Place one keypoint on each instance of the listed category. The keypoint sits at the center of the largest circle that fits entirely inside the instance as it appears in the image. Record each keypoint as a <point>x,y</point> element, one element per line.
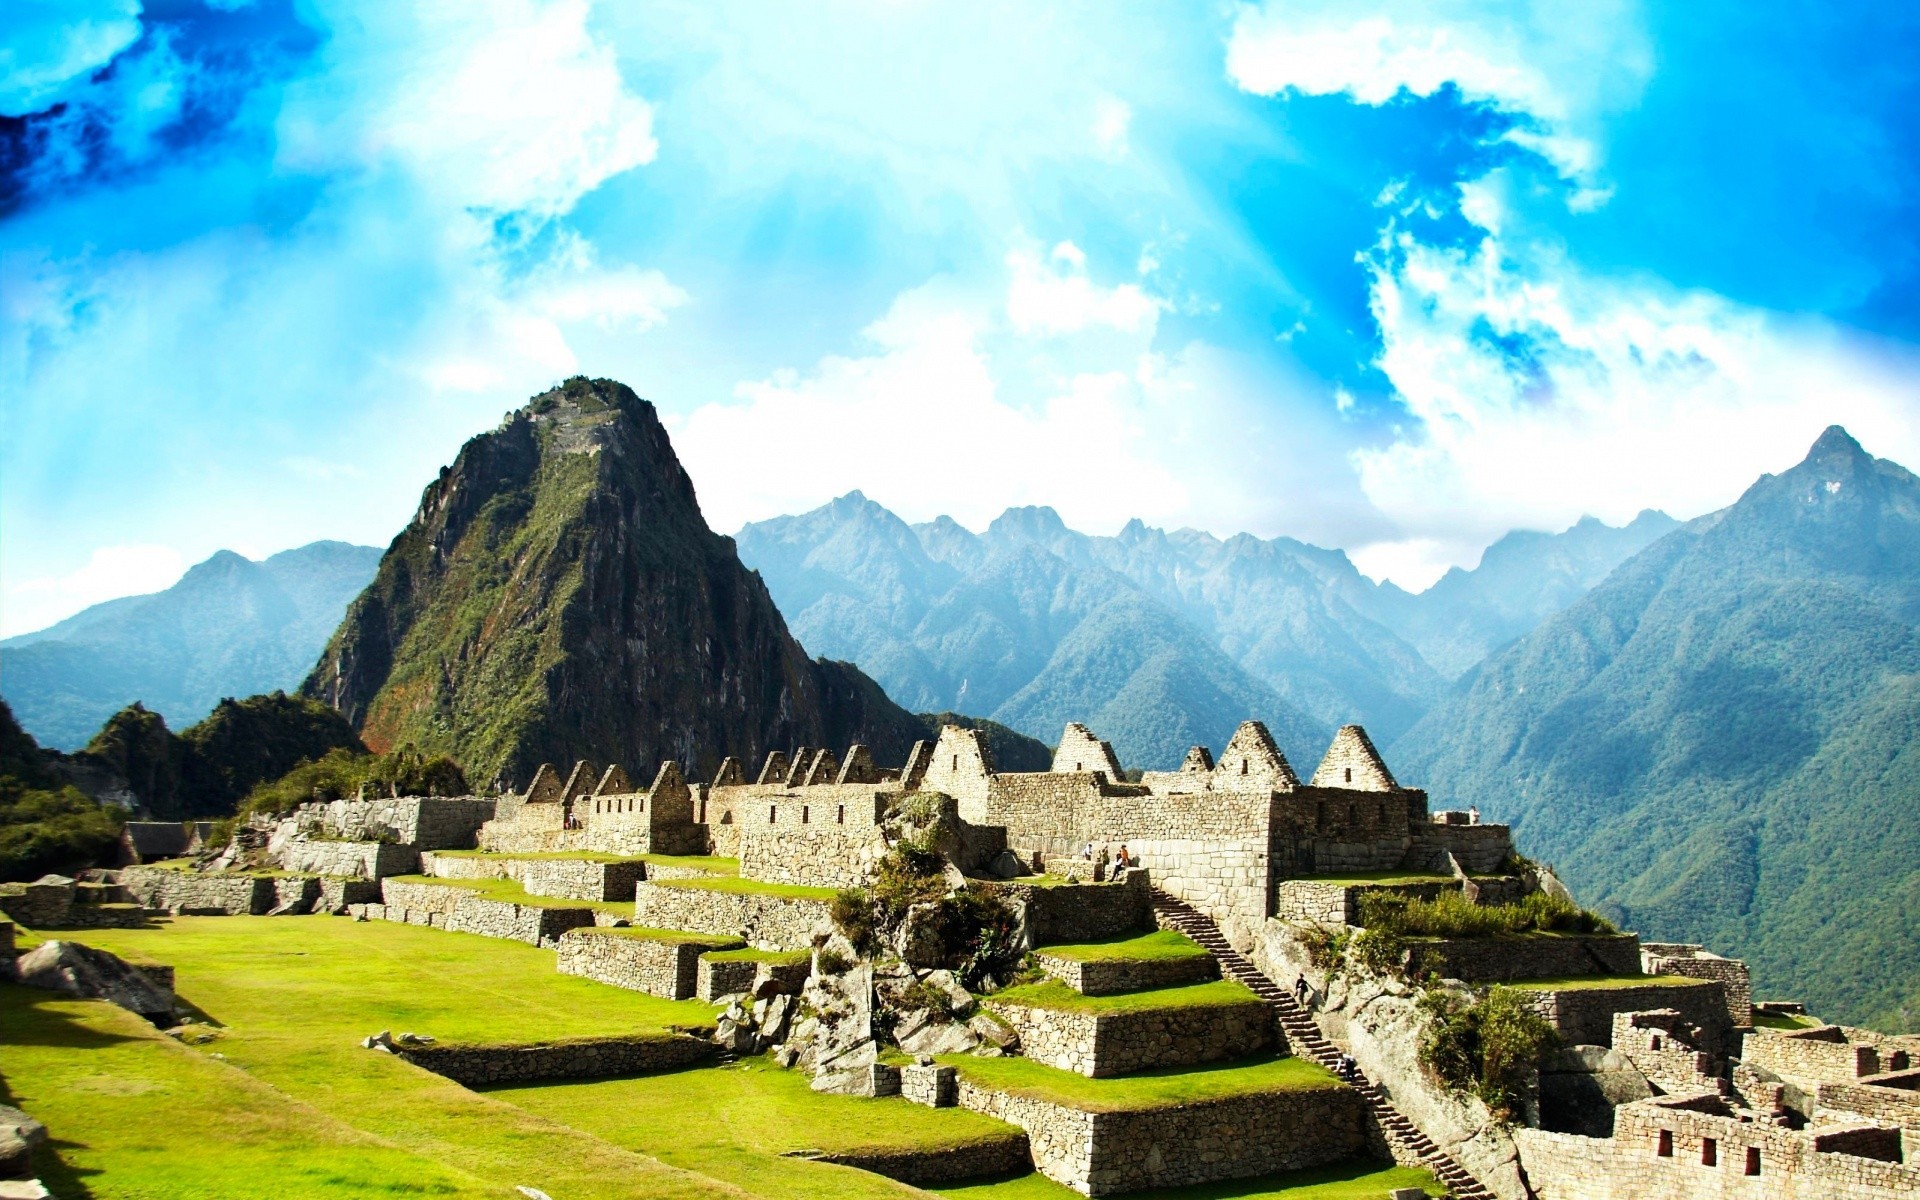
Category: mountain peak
<point>1031,521</point>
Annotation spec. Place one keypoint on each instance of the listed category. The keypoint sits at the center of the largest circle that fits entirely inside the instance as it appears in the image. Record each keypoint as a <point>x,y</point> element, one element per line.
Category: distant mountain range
<point>1158,640</point>
<point>1721,742</point>
<point>230,627</point>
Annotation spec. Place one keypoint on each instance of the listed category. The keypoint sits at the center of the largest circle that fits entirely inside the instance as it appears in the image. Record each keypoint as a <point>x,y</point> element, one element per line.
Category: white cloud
<point>499,105</point>
<point>110,572</point>
<point>1046,300</point>
<point>1541,392</point>
<point>47,44</point>
<point>1112,117</point>
<point>1564,66</point>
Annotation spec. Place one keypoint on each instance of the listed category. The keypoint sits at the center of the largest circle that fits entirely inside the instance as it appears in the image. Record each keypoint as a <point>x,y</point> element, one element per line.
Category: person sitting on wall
<point>1473,815</point>
<point>1123,860</point>
<point>1088,852</point>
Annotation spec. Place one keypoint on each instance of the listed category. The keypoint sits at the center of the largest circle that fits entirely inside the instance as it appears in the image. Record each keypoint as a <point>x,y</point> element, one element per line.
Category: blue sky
<point>1393,277</point>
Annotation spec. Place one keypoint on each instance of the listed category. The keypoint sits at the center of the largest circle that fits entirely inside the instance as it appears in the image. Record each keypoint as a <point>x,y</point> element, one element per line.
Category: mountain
<point>207,768</point>
<point>1721,742</point>
<point>45,824</point>
<point>1031,623</point>
<point>230,627</point>
<point>1521,580</point>
<point>559,596</point>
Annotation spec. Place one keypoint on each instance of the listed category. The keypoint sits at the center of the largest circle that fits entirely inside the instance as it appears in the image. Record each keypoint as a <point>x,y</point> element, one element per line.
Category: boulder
<point>959,999</point>
<point>19,1134</point>
<point>77,970</point>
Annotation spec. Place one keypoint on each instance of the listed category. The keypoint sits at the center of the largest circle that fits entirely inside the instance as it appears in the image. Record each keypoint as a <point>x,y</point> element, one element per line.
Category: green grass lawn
<point>748,954</point>
<point>734,883</point>
<point>1162,1088</point>
<point>1054,994</point>
<point>1596,983</point>
<point>1354,1181</point>
<point>1159,945</point>
<point>510,891</point>
<point>720,942</point>
<point>1786,1021</point>
<point>296,995</point>
<point>736,1123</point>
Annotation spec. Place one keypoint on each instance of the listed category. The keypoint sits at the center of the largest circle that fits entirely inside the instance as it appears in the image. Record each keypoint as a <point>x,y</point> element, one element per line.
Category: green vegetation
<point>758,956</point>
<point>541,856</point>
<point>1161,1088</point>
<point>1385,878</point>
<point>712,864</point>
<point>1590,983</point>
<point>679,937</point>
<point>45,825</point>
<point>968,929</point>
<point>1157,946</point>
<point>1451,914</point>
<point>1721,742</point>
<point>1786,1021</point>
<point>1346,1181</point>
<point>1057,995</point>
<point>510,891</point>
<point>295,996</point>
<point>737,1124</point>
<point>1489,1047</point>
<point>755,887</point>
<point>341,773</point>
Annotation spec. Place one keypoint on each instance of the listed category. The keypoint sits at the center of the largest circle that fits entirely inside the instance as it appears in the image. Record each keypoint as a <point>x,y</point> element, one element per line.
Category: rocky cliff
<point>558,595</point>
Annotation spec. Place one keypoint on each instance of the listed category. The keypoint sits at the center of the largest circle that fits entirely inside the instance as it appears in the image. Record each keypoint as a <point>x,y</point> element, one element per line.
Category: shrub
<point>1326,946</point>
<point>832,963</point>
<point>852,913</point>
<point>340,773</point>
<point>1488,1047</point>
<point>1451,914</point>
<point>1378,950</point>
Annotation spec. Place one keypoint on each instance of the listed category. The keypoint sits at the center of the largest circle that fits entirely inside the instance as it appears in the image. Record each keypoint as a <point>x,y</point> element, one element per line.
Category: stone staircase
<point>1305,1038</point>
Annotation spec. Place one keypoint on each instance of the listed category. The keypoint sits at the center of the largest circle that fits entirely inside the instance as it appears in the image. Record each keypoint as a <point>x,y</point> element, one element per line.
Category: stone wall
<point>39,905</point>
<point>659,967</point>
<point>350,860</point>
<point>831,856</point>
<point>764,921</point>
<point>1890,1097</point>
<point>188,892</point>
<point>1584,1016</point>
<point>717,977</point>
<point>1117,1043</point>
<point>1104,977</point>
<point>1084,912</point>
<point>987,1159</point>
<point>1543,956</point>
<point>1237,1137</point>
<point>1659,1151</point>
<point>462,911</point>
<point>422,822</point>
<point>571,1058</point>
<point>470,866</point>
<point>580,879</point>
<point>1479,849</point>
<point>1667,958</point>
<point>1810,1057</point>
<point>337,894</point>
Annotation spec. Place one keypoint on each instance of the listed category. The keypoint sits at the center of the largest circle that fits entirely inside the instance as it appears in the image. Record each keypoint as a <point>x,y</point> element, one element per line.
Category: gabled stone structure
<point>1080,751</point>
<point>1352,762</point>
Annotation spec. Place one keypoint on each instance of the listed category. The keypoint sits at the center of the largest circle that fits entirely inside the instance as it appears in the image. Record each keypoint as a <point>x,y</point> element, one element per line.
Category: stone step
<point>1303,1033</point>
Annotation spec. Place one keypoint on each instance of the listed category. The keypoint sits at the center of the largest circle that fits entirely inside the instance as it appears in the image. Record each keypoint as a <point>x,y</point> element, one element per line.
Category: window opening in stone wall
<point>1349,774</point>
<point>1079,767</point>
<point>1753,1160</point>
<point>1709,1152</point>
<point>1656,1041</point>
<point>1666,1143</point>
<point>806,810</point>
<point>1243,766</point>
<point>1899,1061</point>
<point>840,817</point>
<point>956,762</point>
<point>771,808</point>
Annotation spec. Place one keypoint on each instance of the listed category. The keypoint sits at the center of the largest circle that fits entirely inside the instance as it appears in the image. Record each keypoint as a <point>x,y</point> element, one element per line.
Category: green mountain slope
<point>558,596</point>
<point>1716,743</point>
<point>230,627</point>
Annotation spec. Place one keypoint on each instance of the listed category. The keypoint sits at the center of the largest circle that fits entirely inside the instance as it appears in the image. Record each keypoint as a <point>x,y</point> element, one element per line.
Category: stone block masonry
<point>184,892</point>
<point>1669,958</point>
<point>1235,1137</point>
<point>353,860</point>
<point>571,1058</point>
<point>1102,1044</point>
<point>764,920</point>
<point>577,879</point>
<point>461,911</point>
<point>1584,1016</point>
<point>990,1159</point>
<point>664,966</point>
<point>724,975</point>
<point>1524,956</point>
<point>1105,977</point>
<point>1085,912</point>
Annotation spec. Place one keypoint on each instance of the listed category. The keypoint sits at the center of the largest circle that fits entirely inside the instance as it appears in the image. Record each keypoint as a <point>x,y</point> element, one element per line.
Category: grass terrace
<point>1165,1087</point>
<point>713,864</point>
<point>1158,946</point>
<point>1601,983</point>
<point>749,1125</point>
<point>1346,1181</point>
<point>510,891</point>
<point>753,887</point>
<point>1452,915</point>
<point>721,943</point>
<point>1056,995</point>
<point>1361,878</point>
<point>1787,1022</point>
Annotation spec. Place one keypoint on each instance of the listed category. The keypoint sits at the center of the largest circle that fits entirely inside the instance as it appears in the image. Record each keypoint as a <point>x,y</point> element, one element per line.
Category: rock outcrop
<point>91,974</point>
<point>559,596</point>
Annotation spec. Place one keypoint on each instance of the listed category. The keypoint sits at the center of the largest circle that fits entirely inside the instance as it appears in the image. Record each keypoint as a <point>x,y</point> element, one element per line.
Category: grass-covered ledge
<point>1159,946</point>
<point>1165,1087</point>
<point>509,891</point>
<point>1057,995</point>
<point>747,887</point>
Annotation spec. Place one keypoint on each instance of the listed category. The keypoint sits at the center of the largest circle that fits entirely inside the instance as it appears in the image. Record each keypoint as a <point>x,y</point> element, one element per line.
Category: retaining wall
<point>766,922</point>
<point>1085,912</point>
<point>658,967</point>
<point>946,1164</point>
<point>1584,1016</point>
<point>462,911</point>
<point>190,892</point>
<point>573,1058</point>
<point>1104,977</point>
<point>1104,1044</point>
<point>1544,956</point>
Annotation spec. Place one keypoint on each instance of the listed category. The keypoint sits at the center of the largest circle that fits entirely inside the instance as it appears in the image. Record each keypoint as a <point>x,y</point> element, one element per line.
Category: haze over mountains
<point>1721,742</point>
<point>230,627</point>
<point>1157,639</point>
